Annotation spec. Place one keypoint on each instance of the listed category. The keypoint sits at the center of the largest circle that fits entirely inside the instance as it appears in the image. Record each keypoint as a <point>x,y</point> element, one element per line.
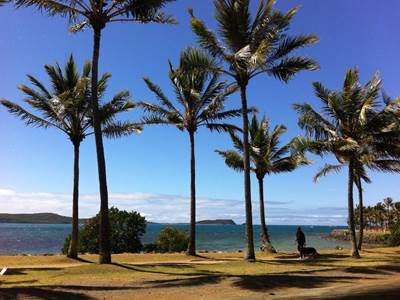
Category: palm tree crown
<point>251,46</point>
<point>66,106</point>
<point>266,155</point>
<point>351,127</point>
<point>199,93</point>
<point>83,13</point>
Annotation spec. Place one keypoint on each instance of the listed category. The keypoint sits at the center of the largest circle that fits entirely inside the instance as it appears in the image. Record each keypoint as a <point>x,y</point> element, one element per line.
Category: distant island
<point>39,218</point>
<point>217,222</point>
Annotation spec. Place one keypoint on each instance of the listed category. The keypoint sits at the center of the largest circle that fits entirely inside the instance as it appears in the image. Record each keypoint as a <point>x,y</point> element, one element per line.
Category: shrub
<point>172,240</point>
<point>148,248</point>
<point>126,229</point>
<point>394,238</point>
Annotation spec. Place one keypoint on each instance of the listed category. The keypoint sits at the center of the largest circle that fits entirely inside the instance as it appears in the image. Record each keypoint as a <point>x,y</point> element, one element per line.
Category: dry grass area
<point>210,276</point>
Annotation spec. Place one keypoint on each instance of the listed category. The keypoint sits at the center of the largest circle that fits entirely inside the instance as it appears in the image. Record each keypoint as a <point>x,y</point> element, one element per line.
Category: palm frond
<point>232,159</point>
<point>206,37</point>
<point>28,118</point>
<point>54,7</point>
<point>159,94</point>
<point>313,123</point>
<point>289,44</point>
<point>328,168</point>
<point>118,129</point>
<point>288,67</point>
<point>222,127</point>
<point>234,22</point>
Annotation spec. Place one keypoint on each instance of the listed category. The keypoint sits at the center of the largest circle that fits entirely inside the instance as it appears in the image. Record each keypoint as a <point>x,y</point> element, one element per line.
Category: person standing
<point>300,238</point>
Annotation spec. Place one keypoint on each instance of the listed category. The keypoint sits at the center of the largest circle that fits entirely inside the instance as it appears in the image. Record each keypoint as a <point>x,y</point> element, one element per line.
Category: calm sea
<point>37,239</point>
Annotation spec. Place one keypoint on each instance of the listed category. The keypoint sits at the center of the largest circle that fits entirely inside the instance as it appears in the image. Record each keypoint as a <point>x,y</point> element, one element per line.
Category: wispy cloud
<point>166,208</point>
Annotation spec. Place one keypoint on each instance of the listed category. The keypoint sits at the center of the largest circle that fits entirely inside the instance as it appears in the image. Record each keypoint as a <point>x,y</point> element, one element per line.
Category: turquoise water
<point>45,238</point>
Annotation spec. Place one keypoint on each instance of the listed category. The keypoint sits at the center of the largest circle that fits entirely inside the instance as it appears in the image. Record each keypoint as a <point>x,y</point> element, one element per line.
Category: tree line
<point>355,125</point>
<point>381,216</point>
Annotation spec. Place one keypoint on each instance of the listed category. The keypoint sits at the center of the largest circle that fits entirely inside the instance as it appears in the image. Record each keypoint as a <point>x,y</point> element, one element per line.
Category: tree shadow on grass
<point>40,293</point>
<point>24,271</point>
<point>379,270</point>
<point>262,283</point>
<point>146,269</point>
<point>80,259</point>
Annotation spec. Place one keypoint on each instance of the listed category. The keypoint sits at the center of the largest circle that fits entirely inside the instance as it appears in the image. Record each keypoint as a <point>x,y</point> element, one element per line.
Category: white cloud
<point>167,208</point>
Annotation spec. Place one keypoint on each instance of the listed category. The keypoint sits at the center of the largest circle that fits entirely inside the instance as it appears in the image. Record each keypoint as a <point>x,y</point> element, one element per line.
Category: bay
<point>49,238</point>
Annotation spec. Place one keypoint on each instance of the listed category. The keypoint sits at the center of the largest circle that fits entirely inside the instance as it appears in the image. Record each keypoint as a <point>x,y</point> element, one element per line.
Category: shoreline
<point>370,237</point>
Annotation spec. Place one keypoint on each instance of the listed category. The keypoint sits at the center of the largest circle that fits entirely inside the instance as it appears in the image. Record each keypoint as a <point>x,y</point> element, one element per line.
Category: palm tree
<point>267,157</point>
<point>66,107</point>
<point>361,217</point>
<point>388,204</point>
<point>396,208</point>
<point>250,46</point>
<point>201,97</point>
<point>351,129</point>
<point>97,14</point>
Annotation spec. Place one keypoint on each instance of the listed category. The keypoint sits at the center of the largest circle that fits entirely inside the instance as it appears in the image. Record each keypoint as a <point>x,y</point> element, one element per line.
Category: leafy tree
<point>200,97</point>
<point>267,157</point>
<point>66,107</point>
<point>394,238</point>
<point>250,46</point>
<point>97,14</point>
<point>126,230</point>
<point>172,239</point>
<point>353,131</point>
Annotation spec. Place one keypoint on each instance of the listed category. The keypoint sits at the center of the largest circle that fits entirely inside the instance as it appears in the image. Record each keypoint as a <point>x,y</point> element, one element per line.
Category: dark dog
<point>307,252</point>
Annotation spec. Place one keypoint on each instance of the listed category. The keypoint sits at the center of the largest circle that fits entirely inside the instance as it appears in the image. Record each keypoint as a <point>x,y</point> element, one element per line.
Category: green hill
<point>39,218</point>
<point>217,222</point>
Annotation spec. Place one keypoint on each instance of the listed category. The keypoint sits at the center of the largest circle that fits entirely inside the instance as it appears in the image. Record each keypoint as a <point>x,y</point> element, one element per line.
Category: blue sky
<point>150,172</point>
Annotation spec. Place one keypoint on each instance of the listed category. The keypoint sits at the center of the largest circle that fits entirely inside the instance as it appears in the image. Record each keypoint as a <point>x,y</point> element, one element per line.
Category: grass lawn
<point>210,276</point>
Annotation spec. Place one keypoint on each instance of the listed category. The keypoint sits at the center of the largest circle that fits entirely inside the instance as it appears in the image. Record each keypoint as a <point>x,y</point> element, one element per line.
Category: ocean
<point>49,238</point>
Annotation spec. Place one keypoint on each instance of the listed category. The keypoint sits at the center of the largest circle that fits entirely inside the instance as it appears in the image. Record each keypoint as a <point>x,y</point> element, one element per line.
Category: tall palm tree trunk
<point>361,205</point>
<point>352,229</point>
<point>266,243</point>
<point>249,253</point>
<point>73,246</point>
<point>192,238</point>
<point>104,235</point>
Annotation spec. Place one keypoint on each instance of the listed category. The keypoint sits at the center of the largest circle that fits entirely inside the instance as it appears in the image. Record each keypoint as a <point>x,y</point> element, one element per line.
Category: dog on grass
<point>307,252</point>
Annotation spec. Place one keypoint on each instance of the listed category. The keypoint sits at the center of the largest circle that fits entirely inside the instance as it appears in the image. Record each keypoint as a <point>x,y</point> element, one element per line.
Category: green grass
<point>155,271</point>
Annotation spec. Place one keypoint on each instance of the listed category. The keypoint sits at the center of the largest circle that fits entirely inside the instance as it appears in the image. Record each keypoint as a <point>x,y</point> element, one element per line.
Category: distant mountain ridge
<point>38,218</point>
<point>217,222</point>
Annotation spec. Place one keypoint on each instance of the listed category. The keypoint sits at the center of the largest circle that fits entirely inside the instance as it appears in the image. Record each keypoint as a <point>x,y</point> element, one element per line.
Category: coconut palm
<point>388,204</point>
<point>200,97</point>
<point>97,14</point>
<point>352,130</point>
<point>267,157</point>
<point>66,107</point>
<point>250,46</point>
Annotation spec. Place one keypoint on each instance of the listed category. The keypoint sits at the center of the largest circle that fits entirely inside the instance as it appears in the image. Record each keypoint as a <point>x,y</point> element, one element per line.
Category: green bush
<point>172,240</point>
<point>149,248</point>
<point>394,238</point>
<point>126,229</point>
